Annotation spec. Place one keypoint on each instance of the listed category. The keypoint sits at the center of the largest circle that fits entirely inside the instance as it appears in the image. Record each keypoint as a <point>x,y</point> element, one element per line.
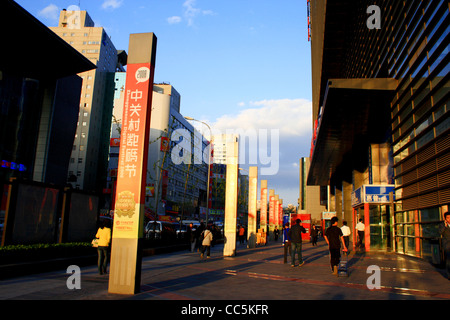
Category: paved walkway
<point>253,274</point>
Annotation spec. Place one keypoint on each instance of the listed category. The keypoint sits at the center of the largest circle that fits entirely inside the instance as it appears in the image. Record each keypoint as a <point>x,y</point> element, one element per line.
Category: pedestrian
<point>444,231</point>
<point>333,237</point>
<point>199,236</point>
<point>241,234</point>
<point>206,243</point>
<point>314,234</point>
<point>346,234</point>
<point>276,233</point>
<point>286,242</point>
<point>191,237</point>
<point>295,234</point>
<point>104,238</point>
<point>360,228</point>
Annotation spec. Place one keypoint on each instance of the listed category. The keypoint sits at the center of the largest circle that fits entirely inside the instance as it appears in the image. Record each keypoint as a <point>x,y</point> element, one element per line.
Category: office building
<point>312,199</point>
<point>380,75</point>
<point>89,159</point>
<point>39,98</point>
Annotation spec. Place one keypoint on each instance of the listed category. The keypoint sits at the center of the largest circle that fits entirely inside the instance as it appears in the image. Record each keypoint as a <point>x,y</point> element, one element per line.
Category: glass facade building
<point>384,63</point>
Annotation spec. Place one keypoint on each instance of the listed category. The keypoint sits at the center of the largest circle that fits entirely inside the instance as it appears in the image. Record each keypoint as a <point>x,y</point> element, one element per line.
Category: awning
<point>355,113</point>
<point>31,49</point>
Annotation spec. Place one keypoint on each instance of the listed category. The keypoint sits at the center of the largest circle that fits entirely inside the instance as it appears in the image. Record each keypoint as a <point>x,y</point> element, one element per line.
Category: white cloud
<point>174,20</point>
<point>291,116</point>
<point>191,11</point>
<point>50,12</point>
<point>112,4</point>
<point>282,129</point>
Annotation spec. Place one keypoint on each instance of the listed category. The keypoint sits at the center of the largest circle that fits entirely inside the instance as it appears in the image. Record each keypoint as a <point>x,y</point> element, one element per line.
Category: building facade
<point>312,199</point>
<point>381,118</point>
<point>89,159</point>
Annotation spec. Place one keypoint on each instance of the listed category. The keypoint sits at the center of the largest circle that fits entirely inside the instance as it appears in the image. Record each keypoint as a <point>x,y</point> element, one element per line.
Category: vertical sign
<point>271,212</point>
<point>263,210</point>
<point>134,139</point>
<point>131,177</point>
<point>276,211</point>
<point>231,197</point>
<point>252,198</point>
<point>280,221</point>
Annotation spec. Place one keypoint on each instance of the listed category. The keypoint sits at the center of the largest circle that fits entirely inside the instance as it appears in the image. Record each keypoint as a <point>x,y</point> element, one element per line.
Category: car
<point>160,230</point>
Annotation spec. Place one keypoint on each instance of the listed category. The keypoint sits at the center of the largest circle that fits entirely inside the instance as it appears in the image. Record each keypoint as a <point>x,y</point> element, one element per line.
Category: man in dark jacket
<point>334,237</point>
<point>295,234</point>
<point>444,231</point>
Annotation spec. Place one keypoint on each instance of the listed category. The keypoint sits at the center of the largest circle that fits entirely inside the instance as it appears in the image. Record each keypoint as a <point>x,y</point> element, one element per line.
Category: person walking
<point>346,234</point>
<point>286,242</point>
<point>444,231</point>
<point>241,234</point>
<point>360,228</point>
<point>199,236</point>
<point>334,237</point>
<point>314,234</point>
<point>206,243</point>
<point>276,233</point>
<point>104,238</point>
<point>295,234</point>
<point>191,237</point>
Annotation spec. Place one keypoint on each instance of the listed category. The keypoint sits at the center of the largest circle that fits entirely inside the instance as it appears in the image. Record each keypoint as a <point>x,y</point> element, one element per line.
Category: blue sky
<point>236,63</point>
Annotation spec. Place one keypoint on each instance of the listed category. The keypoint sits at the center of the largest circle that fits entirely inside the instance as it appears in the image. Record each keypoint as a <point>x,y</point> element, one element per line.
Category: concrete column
<point>126,255</point>
<point>231,197</point>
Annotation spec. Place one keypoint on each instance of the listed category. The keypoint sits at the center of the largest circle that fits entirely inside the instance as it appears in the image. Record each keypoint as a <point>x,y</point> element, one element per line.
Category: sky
<point>237,64</point>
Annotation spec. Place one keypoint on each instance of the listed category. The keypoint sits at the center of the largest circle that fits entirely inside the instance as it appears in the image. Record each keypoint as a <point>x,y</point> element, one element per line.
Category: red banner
<point>130,194</point>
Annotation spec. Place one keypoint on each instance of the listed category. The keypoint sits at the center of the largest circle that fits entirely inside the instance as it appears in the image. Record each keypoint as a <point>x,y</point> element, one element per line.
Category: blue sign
<point>378,194</point>
<point>372,194</point>
<point>356,197</point>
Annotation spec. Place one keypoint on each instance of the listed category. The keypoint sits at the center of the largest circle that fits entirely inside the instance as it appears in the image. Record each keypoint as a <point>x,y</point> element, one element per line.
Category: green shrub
<point>33,252</point>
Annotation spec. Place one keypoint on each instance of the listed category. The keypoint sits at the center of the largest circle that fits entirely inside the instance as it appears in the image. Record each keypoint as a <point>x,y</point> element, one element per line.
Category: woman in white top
<point>206,243</point>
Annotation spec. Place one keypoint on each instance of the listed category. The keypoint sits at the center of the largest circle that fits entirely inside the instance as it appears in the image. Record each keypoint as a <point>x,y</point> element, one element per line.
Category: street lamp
<point>209,165</point>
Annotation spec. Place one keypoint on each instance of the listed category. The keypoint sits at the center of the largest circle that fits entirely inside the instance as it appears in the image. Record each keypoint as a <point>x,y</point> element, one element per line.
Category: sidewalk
<point>253,274</point>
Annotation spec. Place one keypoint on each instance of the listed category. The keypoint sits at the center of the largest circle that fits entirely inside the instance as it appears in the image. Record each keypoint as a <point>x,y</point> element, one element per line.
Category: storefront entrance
<point>377,219</point>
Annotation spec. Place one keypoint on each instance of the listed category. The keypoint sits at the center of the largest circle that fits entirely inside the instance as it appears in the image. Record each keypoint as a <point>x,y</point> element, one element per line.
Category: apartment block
<point>89,159</point>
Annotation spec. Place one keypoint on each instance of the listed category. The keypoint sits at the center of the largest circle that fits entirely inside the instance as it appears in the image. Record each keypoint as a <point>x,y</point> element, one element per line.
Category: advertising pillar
<point>271,212</point>
<point>280,219</point>
<point>231,197</point>
<point>263,209</point>
<point>252,198</point>
<point>125,266</point>
<point>277,212</point>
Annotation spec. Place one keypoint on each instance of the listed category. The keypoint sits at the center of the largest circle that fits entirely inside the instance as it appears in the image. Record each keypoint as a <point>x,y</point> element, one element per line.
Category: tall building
<point>220,146</point>
<point>312,199</point>
<point>380,75</point>
<point>89,159</point>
